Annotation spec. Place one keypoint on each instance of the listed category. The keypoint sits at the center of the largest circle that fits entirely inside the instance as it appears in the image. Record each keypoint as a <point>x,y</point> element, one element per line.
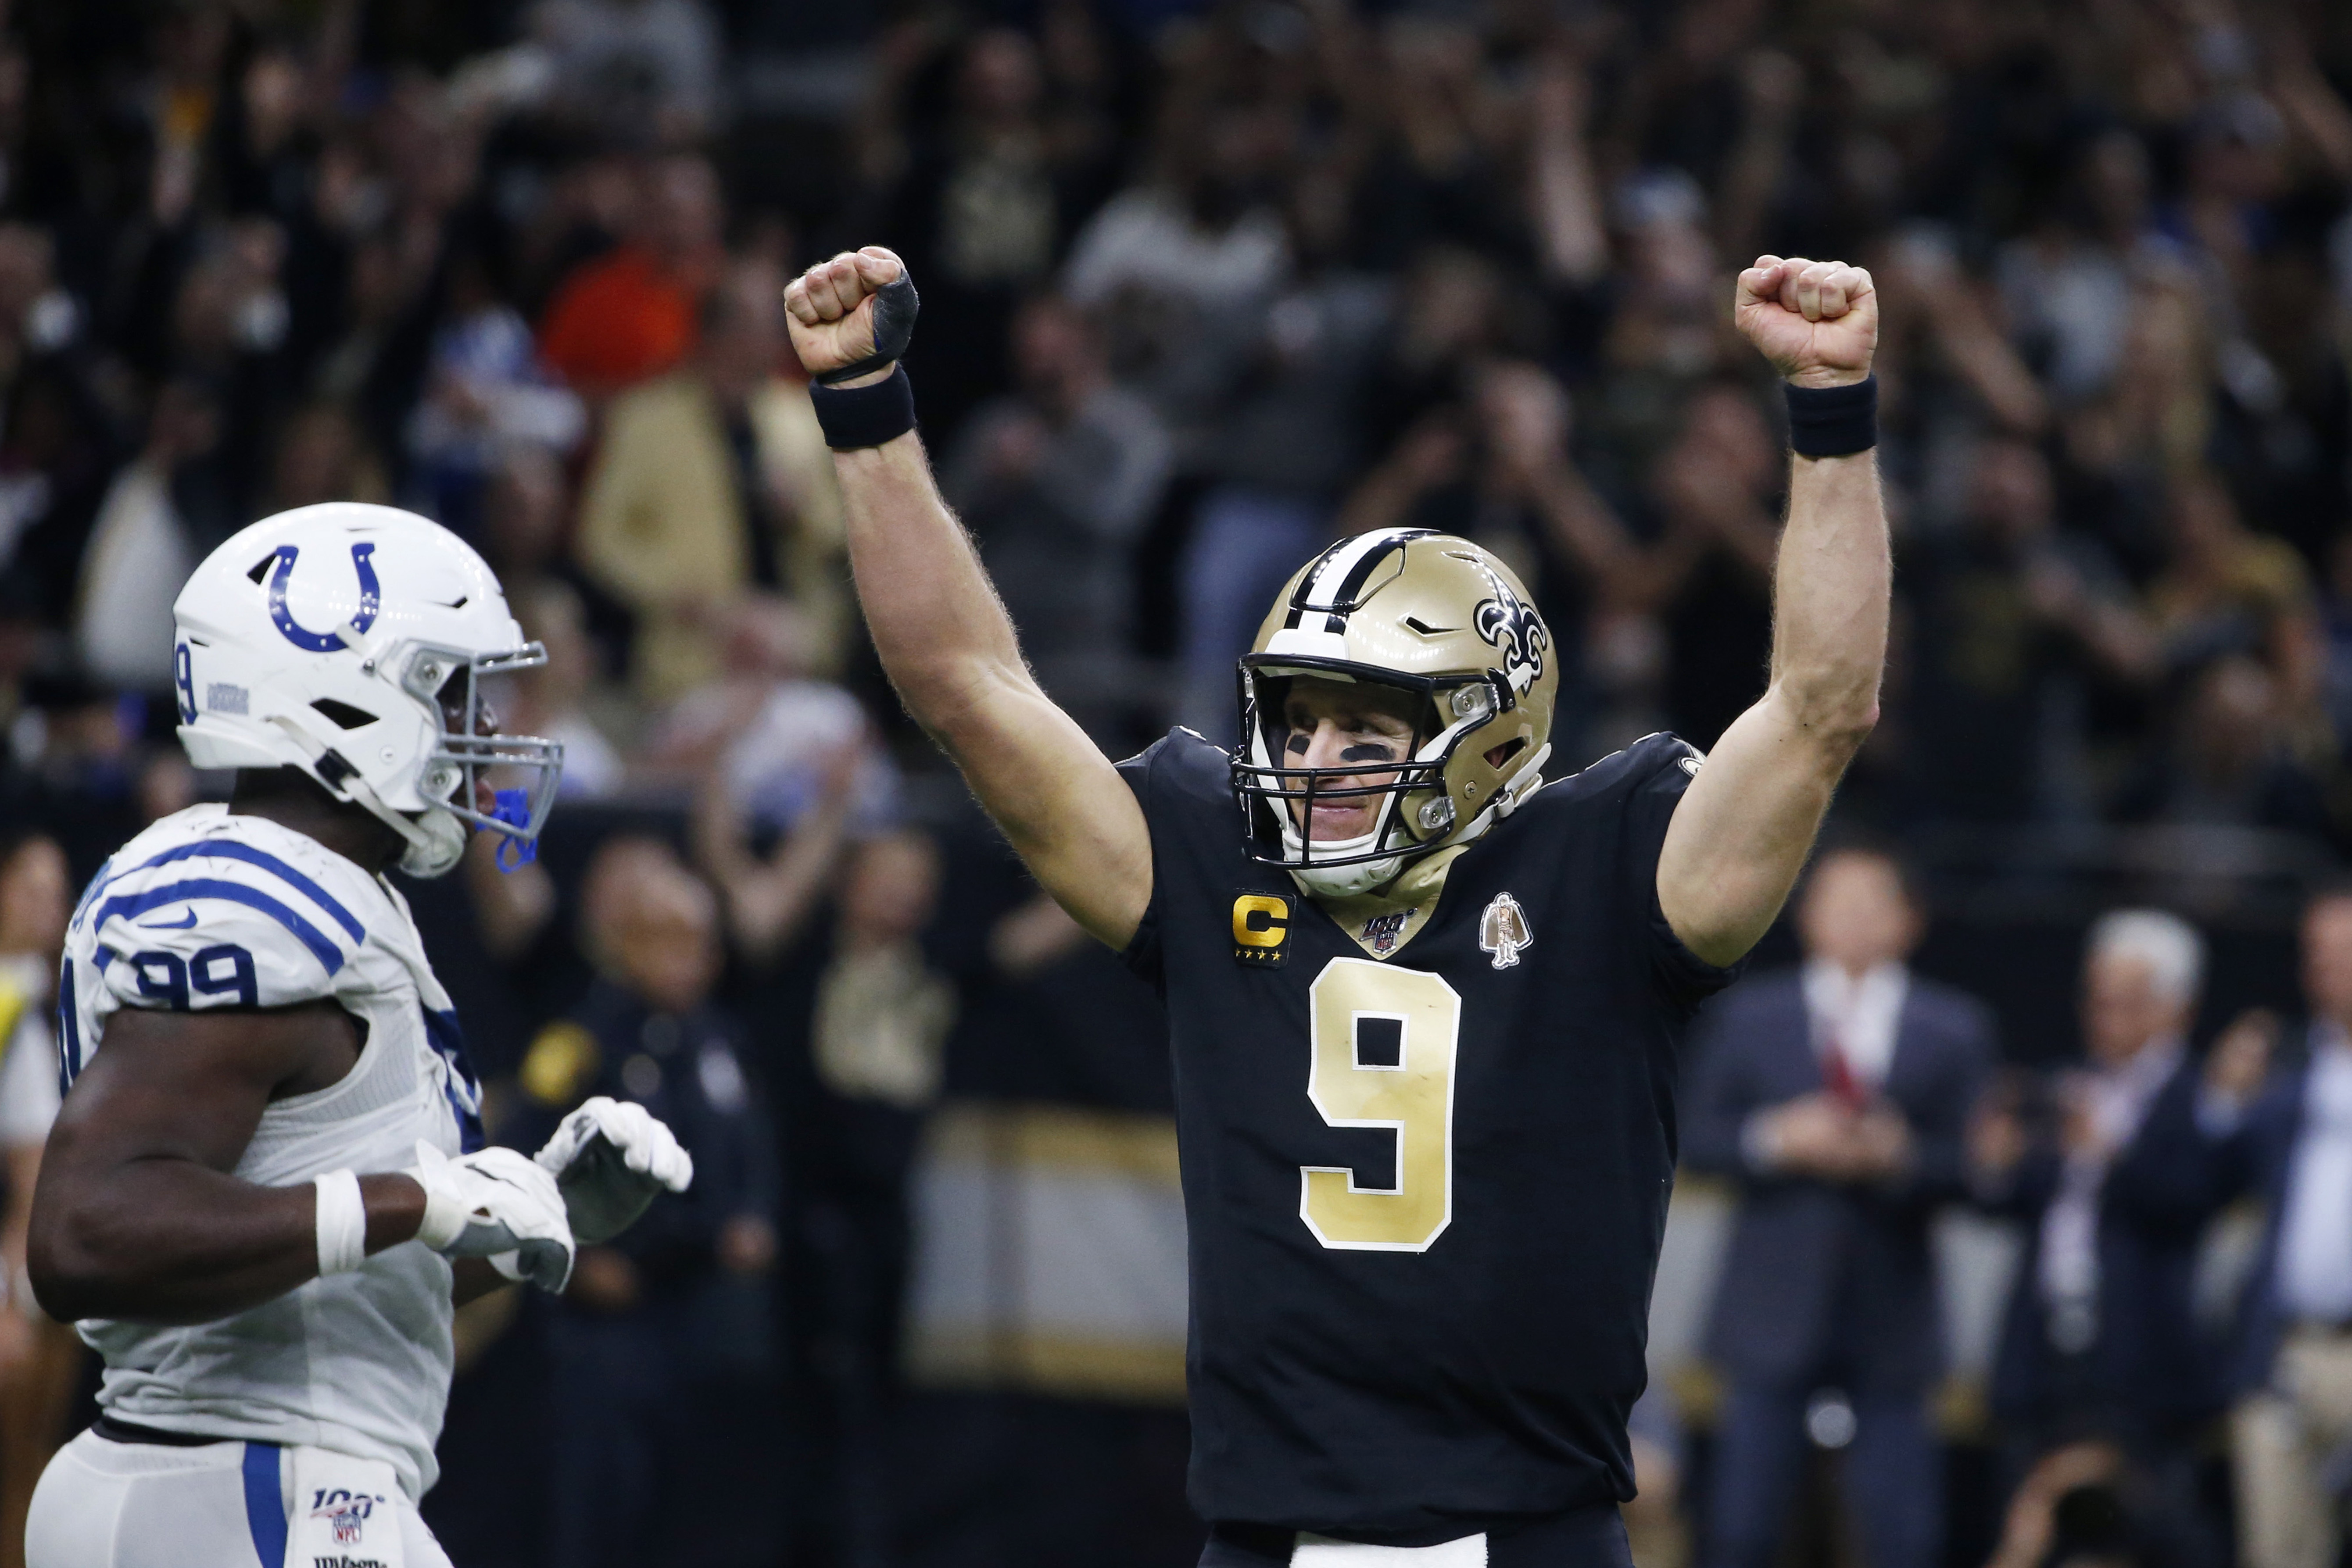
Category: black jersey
<point>1424,1191</point>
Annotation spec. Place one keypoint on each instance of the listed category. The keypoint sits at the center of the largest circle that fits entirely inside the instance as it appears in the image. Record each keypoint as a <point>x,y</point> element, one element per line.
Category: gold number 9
<point>1413,1099</point>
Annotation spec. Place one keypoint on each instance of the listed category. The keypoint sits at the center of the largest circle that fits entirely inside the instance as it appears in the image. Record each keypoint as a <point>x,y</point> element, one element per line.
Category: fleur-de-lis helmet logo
<point>1518,632</point>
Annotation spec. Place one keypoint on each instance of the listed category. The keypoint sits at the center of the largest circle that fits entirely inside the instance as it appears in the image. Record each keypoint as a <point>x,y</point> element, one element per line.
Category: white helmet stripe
<point>1331,584</point>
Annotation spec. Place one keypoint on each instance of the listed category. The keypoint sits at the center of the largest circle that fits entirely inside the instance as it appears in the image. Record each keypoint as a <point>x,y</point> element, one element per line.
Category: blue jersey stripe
<point>265,1503</point>
<point>230,850</point>
<point>69,1030</point>
<point>89,895</point>
<point>310,936</point>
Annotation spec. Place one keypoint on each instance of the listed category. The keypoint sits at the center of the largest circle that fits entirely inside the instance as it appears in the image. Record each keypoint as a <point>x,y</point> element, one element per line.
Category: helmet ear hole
<point>1499,758</point>
<point>344,714</point>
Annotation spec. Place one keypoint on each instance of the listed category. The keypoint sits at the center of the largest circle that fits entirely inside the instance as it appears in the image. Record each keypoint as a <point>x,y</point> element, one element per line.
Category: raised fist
<point>1817,321</point>
<point>852,314</point>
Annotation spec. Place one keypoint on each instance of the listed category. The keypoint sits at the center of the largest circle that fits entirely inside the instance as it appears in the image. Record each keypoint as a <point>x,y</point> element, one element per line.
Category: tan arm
<point>950,649</point>
<point>1742,831</point>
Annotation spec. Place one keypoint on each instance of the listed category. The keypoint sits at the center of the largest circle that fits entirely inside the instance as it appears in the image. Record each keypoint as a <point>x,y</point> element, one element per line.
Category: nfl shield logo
<point>1382,931</point>
<point>346,1514</point>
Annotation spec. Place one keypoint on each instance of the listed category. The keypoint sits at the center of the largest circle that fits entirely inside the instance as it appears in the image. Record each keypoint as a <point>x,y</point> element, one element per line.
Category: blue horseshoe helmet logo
<point>322,641</point>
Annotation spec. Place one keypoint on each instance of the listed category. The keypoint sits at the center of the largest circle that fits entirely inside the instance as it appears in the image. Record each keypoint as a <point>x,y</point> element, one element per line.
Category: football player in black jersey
<point>1424,1005</point>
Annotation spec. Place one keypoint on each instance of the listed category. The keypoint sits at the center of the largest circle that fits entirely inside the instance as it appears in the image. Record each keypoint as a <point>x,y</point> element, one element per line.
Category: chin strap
<point>343,781</point>
<point>1522,784</point>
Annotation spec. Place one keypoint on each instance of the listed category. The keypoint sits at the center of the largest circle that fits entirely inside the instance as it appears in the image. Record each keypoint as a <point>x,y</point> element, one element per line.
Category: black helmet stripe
<point>1340,573</point>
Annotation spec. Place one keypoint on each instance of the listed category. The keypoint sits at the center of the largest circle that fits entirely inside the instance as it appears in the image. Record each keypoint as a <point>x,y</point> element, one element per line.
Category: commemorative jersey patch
<point>1261,929</point>
<point>1504,932</point>
<point>346,1512</point>
<point>1382,931</point>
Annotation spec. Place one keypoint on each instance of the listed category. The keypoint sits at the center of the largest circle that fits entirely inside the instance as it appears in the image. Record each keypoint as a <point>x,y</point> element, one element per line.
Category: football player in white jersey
<point>268,1188</point>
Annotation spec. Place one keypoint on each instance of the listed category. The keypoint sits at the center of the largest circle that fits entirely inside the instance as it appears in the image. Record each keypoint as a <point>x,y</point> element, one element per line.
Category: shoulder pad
<point>224,911</point>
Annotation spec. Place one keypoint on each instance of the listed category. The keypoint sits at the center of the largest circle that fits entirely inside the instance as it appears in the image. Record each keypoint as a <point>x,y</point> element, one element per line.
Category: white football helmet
<point>351,641</point>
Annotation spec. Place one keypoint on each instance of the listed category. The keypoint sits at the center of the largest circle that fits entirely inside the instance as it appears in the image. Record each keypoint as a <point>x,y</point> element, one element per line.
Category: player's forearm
<point>1831,589</point>
<point>171,1241</point>
<point>1742,832</point>
<point>941,634</point>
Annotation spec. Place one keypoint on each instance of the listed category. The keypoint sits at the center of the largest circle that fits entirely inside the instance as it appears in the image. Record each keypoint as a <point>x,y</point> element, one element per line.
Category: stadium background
<point>1204,285</point>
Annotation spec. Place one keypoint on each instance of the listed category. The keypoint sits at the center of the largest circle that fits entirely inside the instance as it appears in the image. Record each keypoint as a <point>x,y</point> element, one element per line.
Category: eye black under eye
<point>1297,745</point>
<point>1367,753</point>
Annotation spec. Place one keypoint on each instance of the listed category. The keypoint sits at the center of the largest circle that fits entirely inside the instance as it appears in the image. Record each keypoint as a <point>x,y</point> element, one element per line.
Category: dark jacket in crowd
<point>687,1070</point>
<point>2264,1164</point>
<point>2151,1373</point>
<point>1827,1280</point>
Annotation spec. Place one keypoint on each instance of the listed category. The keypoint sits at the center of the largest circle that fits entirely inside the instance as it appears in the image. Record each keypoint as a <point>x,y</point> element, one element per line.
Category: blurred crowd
<point>1207,283</point>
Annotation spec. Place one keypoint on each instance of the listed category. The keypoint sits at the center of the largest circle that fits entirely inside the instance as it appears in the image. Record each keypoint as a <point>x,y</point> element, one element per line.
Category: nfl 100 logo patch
<point>1383,932</point>
<point>346,1513</point>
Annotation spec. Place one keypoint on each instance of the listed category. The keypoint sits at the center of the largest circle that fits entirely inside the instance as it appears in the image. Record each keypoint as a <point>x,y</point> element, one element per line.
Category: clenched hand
<point>830,309</point>
<point>1817,321</point>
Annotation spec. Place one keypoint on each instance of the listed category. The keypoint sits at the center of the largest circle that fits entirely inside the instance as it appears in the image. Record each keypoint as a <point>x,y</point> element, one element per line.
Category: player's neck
<point>295,801</point>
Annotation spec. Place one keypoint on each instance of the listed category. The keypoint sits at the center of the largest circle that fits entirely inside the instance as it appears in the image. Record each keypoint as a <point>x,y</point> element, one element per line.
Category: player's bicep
<point>1741,831</point>
<point>192,1086</point>
<point>1068,814</point>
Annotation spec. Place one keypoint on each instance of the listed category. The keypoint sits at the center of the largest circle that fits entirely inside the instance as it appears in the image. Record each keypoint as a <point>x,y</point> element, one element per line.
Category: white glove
<point>610,1157</point>
<point>494,1204</point>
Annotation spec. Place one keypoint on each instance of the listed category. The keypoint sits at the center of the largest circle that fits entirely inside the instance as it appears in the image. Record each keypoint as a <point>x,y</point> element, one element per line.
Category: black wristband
<point>867,415</point>
<point>1834,421</point>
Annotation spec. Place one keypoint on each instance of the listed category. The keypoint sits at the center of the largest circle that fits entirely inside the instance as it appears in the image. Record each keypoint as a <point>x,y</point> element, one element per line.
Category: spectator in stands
<point>2066,285</point>
<point>1660,341</point>
<point>662,1347</point>
<point>2021,623</point>
<point>983,199</point>
<point>56,455</point>
<point>1715,490</point>
<point>636,71</point>
<point>629,314</point>
<point>40,1358</point>
<point>2292,1367</point>
<point>485,389</point>
<point>1057,484</point>
<point>1177,265</point>
<point>2230,590</point>
<point>146,541</point>
<point>552,700</point>
<point>1291,439</point>
<point>766,735</point>
<point>2117,1183</point>
<point>707,487</point>
<point>2122,448</point>
<point>2231,760</point>
<point>1836,1096</point>
<point>322,455</point>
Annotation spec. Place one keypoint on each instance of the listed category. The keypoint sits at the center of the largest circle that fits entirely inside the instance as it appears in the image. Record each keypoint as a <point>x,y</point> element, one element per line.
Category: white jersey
<point>209,910</point>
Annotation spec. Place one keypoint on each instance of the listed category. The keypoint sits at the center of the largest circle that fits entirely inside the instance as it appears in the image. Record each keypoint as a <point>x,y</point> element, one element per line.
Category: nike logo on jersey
<point>168,924</point>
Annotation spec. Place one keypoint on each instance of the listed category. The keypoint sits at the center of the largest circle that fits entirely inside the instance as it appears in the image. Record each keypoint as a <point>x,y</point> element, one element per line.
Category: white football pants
<point>103,1504</point>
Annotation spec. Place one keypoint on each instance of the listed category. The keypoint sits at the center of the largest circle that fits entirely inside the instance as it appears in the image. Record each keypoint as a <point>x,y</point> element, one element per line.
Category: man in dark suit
<point>2116,1188</point>
<point>2290,1371</point>
<point>1837,1096</point>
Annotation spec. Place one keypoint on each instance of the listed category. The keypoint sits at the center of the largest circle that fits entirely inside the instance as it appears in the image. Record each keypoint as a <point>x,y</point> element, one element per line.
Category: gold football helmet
<point>1434,616</point>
